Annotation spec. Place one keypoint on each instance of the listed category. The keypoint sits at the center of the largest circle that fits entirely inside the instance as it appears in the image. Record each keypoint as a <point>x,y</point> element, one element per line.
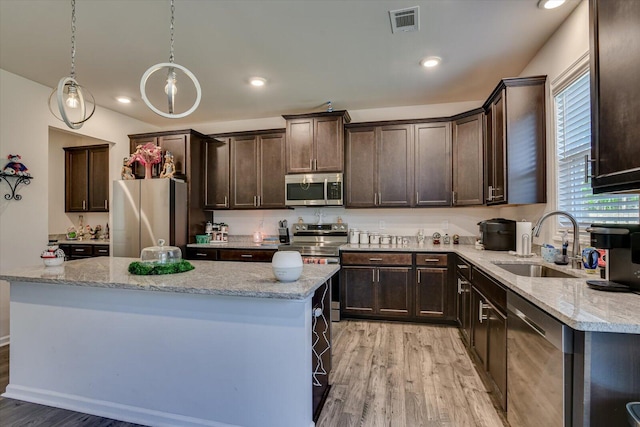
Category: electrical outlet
<point>445,225</point>
<point>381,225</point>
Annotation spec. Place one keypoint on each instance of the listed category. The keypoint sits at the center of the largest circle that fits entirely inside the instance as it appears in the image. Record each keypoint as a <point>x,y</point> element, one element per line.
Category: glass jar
<point>161,254</point>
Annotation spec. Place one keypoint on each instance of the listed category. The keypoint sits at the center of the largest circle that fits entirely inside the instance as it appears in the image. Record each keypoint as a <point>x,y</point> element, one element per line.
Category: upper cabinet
<point>87,178</point>
<point>468,171</point>
<point>515,142</point>
<point>432,164</point>
<point>216,173</point>
<point>615,94</point>
<point>379,166</point>
<point>257,171</point>
<point>315,142</point>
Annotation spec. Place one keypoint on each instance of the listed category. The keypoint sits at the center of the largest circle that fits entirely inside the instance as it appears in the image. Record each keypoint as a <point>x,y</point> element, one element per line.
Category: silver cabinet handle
<point>259,201</point>
<point>373,276</point>
<point>106,206</point>
<point>311,164</point>
<point>462,266</point>
<point>587,175</point>
<point>78,250</point>
<point>226,202</point>
<point>418,276</point>
<point>460,284</point>
<point>453,197</point>
<point>431,260</point>
<point>246,256</point>
<point>417,197</point>
<point>375,259</point>
<point>315,164</point>
<point>375,199</point>
<point>84,204</point>
<point>379,198</point>
<point>200,254</point>
<point>490,196</point>
<point>481,315</point>
<point>255,201</point>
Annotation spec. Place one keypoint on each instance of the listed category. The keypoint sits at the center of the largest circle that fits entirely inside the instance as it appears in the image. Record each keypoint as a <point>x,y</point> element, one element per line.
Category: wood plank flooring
<point>384,374</point>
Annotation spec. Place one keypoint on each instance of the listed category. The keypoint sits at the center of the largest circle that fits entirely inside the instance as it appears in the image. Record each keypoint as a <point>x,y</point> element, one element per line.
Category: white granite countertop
<point>569,300</point>
<point>246,279</point>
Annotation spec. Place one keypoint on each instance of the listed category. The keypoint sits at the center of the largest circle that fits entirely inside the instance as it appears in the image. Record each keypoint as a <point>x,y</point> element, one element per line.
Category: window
<point>573,139</point>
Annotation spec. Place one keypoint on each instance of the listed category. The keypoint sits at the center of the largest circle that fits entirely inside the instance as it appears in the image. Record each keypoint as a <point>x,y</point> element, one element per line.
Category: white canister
<point>364,237</point>
<point>374,239</point>
<point>394,240</point>
<point>354,236</point>
<point>385,239</point>
<point>287,265</point>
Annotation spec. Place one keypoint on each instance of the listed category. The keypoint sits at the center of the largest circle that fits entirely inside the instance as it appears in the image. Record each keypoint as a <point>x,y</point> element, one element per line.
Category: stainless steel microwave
<point>314,189</point>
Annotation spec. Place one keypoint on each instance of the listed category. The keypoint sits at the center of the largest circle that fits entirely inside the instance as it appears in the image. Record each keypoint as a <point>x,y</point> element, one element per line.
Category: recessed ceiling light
<point>257,81</point>
<point>550,4</point>
<point>431,61</point>
<point>123,99</point>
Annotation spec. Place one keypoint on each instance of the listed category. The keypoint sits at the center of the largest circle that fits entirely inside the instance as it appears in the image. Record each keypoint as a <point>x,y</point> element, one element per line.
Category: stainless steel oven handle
<point>529,322</point>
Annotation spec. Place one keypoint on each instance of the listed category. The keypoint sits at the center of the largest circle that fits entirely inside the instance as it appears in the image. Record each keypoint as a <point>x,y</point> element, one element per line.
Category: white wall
<point>24,129</point>
<point>565,47</point>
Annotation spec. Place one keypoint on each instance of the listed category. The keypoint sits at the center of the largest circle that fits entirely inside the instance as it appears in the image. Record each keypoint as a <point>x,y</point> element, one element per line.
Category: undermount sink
<point>533,270</point>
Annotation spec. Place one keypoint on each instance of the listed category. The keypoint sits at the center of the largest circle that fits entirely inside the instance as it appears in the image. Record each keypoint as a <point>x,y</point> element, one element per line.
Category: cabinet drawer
<point>259,255</point>
<point>200,253</point>
<point>495,293</point>
<point>101,250</point>
<point>431,260</point>
<point>81,250</point>
<point>376,258</point>
<point>463,268</point>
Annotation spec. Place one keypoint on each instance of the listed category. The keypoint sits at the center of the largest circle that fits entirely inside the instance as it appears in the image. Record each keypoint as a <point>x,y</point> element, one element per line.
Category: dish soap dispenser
<point>563,259</point>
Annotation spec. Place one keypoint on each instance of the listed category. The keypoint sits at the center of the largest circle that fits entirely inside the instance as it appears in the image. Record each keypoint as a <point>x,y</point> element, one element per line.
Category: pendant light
<point>171,88</point>
<point>71,98</point>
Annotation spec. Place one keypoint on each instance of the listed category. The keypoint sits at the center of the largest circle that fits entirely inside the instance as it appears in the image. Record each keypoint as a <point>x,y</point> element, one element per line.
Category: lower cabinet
<point>376,285</point>
<point>214,254</point>
<point>79,251</point>
<point>432,287</point>
<point>463,299</point>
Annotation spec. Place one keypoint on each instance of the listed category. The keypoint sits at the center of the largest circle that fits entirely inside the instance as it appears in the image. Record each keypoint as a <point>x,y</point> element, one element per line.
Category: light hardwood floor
<point>384,374</point>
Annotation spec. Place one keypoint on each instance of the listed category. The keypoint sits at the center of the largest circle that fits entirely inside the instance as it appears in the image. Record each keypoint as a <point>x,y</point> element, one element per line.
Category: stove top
<point>317,239</point>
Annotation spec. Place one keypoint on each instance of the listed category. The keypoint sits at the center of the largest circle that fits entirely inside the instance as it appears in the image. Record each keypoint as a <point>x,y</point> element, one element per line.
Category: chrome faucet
<point>576,258</point>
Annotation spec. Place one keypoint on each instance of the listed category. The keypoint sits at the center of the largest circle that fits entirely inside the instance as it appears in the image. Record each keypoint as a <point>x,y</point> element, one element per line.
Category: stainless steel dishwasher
<point>539,366</point>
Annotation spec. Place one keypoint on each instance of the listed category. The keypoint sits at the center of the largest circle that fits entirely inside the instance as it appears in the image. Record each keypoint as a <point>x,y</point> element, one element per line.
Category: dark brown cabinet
<point>79,251</point>
<point>468,169</point>
<point>379,166</point>
<point>257,171</point>
<point>216,173</point>
<point>87,179</point>
<point>432,286</point>
<point>315,142</point>
<point>432,164</point>
<point>515,142</point>
<point>463,299</point>
<point>187,147</point>
<point>615,94</point>
<point>376,285</point>
<point>247,255</point>
<point>209,254</point>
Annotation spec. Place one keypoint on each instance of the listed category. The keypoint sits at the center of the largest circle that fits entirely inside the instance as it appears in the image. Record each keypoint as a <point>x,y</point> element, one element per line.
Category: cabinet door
<point>394,291</point>
<point>137,168</point>
<point>615,94</point>
<point>394,166</point>
<point>216,174</point>
<point>431,292</point>
<point>468,171</point>
<point>497,353</point>
<point>464,308</point>
<point>244,159</point>
<point>271,171</point>
<point>357,287</point>
<point>98,179</point>
<point>479,329</point>
<point>177,145</point>
<point>250,255</point>
<point>76,180</point>
<point>432,164</point>
<point>300,145</point>
<point>496,153</point>
<point>360,168</point>
<point>329,144</point>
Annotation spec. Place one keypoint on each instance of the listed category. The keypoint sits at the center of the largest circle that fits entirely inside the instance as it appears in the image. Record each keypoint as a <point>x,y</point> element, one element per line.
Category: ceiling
<point>309,51</point>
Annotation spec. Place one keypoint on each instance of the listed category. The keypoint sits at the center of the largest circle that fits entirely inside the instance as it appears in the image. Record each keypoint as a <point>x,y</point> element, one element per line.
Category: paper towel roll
<point>523,238</point>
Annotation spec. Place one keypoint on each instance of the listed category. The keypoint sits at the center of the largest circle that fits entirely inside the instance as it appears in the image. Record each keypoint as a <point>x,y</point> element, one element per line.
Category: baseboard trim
<point>4,340</point>
<point>106,409</point>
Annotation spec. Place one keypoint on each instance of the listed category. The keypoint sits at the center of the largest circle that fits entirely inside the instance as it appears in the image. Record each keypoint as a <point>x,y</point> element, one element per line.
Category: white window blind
<point>573,137</point>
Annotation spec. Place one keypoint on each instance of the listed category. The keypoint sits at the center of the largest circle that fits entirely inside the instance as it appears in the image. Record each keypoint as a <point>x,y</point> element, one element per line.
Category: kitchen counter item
<point>633,408</point>
<point>161,254</point>
<point>203,238</point>
<point>498,234</point>
<point>287,265</point>
<point>523,238</point>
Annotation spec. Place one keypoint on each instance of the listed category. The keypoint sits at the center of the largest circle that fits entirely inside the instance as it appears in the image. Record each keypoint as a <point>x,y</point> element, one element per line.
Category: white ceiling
<point>310,51</point>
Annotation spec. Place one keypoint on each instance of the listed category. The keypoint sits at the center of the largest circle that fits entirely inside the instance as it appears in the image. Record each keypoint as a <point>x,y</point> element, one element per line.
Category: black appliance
<point>622,243</point>
<point>283,231</point>
<point>498,234</point>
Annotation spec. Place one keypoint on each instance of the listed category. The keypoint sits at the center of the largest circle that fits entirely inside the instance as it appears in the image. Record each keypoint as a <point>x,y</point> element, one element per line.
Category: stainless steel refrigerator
<point>145,210</point>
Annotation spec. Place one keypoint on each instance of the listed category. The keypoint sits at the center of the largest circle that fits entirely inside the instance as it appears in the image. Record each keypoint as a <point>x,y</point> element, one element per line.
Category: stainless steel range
<point>320,243</point>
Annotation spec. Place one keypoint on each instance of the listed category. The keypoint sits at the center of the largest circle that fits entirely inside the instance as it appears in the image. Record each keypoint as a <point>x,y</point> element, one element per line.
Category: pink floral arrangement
<point>148,155</point>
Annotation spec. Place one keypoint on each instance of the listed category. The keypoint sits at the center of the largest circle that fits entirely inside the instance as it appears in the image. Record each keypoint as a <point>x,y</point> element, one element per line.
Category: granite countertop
<point>208,278</point>
<point>569,300</point>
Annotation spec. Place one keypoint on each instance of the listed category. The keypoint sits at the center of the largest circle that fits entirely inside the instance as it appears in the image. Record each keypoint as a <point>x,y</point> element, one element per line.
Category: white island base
<point>162,358</point>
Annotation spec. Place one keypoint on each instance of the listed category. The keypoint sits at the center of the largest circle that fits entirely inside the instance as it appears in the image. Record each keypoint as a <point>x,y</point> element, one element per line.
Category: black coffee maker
<point>622,244</point>
<point>283,231</point>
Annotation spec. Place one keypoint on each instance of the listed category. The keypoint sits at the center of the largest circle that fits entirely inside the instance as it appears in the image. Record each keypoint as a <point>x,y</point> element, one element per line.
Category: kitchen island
<point>224,344</point>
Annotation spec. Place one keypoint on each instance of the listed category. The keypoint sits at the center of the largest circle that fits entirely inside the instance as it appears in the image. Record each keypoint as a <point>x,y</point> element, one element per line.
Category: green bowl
<point>202,238</point>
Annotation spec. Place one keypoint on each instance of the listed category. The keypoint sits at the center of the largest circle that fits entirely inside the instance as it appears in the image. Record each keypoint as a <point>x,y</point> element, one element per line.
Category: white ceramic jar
<point>385,239</point>
<point>364,237</point>
<point>354,236</point>
<point>374,238</point>
<point>287,265</point>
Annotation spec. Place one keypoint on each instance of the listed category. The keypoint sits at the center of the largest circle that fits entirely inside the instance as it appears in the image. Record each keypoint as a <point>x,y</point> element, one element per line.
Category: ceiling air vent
<point>404,20</point>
